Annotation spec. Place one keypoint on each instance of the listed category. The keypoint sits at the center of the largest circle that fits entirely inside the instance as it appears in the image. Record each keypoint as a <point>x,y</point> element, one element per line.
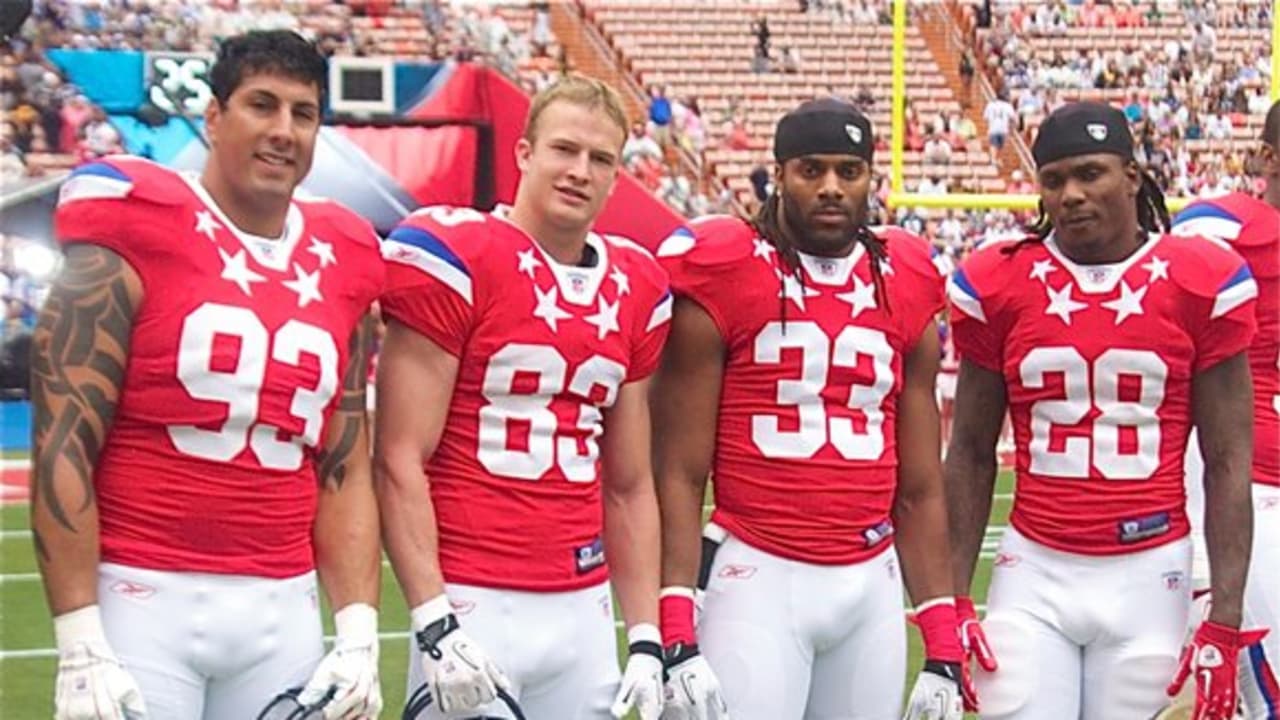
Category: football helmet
<point>286,706</point>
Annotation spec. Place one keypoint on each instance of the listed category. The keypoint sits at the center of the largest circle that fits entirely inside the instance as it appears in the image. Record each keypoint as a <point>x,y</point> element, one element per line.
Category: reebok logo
<point>1004,559</point>
<point>134,590</point>
<point>461,607</point>
<point>737,572</point>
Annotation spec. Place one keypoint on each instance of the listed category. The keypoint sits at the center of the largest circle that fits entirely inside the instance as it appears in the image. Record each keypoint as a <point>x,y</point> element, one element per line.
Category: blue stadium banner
<point>110,78</point>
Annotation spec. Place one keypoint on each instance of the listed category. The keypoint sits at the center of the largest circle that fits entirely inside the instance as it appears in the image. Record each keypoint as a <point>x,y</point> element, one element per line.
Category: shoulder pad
<point>1203,266</point>
<point>709,242</point>
<point>343,221</point>
<point>122,176</point>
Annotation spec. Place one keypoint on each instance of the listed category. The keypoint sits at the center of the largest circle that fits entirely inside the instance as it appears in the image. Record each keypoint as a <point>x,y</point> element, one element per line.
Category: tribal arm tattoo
<point>349,424</point>
<point>79,352</point>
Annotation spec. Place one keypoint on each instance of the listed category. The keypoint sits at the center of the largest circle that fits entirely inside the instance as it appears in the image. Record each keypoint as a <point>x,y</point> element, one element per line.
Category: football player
<point>200,442</point>
<point>801,372</point>
<point>1107,341</point>
<point>515,365</point>
<point>1252,227</point>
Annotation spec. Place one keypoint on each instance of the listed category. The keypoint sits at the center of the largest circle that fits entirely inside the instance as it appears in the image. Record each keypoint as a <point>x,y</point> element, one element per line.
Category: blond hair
<point>579,90</point>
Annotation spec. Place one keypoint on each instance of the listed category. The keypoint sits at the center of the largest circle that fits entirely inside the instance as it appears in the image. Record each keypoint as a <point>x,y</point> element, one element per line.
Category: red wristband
<point>939,626</point>
<point>675,610</point>
<point>965,609</point>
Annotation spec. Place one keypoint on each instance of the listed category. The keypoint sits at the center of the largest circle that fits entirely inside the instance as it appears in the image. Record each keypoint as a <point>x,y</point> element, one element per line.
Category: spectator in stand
<point>1001,119</point>
<point>640,145</point>
<point>100,137</point>
<point>864,99</point>
<point>12,166</point>
<point>791,61</point>
<point>936,150</point>
<point>659,114</point>
<point>1019,184</point>
<point>760,28</point>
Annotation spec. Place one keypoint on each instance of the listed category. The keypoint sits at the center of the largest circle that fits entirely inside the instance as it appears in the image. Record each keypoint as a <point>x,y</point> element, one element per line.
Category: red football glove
<point>976,647</point>
<point>1211,655</point>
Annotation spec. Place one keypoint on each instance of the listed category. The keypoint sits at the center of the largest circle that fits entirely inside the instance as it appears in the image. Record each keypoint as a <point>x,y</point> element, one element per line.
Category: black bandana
<point>823,127</point>
<point>1082,128</point>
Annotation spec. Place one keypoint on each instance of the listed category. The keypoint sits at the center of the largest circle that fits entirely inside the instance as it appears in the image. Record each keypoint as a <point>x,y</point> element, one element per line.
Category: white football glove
<point>641,686</point>
<point>692,689</point>
<point>461,676</point>
<point>91,683</point>
<point>350,668</point>
<point>936,696</point>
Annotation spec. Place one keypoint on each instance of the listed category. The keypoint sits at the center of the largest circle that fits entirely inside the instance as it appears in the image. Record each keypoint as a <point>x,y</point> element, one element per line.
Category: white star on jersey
<point>763,249</point>
<point>547,308</point>
<point>236,269</point>
<point>606,317</point>
<point>1129,302</point>
<point>1158,269</point>
<point>1061,303</point>
<point>794,290</point>
<point>886,268</point>
<point>324,251</point>
<point>1041,269</point>
<point>621,281</point>
<point>862,297</point>
<point>206,224</point>
<point>305,284</point>
<point>528,262</point>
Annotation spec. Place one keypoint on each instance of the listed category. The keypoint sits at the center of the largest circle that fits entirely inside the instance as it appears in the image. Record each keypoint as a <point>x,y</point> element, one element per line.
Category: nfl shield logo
<point>855,133</point>
<point>1097,131</point>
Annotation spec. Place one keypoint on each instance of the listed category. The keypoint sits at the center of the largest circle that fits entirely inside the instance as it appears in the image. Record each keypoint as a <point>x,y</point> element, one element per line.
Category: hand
<point>461,676</point>
<point>91,682</point>
<point>641,686</point>
<point>692,690</point>
<point>975,644</point>
<point>936,695</point>
<point>350,669</point>
<point>1211,656</point>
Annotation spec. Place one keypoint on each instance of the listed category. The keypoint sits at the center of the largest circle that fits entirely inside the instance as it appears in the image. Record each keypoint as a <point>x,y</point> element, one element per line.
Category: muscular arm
<point>969,473</point>
<point>685,398</point>
<point>415,382</point>
<point>919,508</point>
<point>631,535</point>
<point>345,534</point>
<point>79,352</point>
<point>1222,402</point>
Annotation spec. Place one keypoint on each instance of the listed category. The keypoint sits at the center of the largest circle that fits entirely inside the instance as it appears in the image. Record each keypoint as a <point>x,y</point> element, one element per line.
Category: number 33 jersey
<point>806,457</point>
<point>235,365</point>
<point>1098,363</point>
<point>543,350</point>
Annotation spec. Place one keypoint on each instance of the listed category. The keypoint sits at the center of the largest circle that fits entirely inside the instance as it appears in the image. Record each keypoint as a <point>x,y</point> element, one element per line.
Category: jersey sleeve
<point>430,280</point>
<point>977,330</point>
<point>926,288</point>
<point>102,203</point>
<point>700,260</point>
<point>651,335</point>
<point>1220,315</point>
<point>1208,219</point>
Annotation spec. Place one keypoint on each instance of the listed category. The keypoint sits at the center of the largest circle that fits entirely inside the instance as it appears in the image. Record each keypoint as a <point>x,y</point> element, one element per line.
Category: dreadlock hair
<point>767,223</point>
<point>1153,215</point>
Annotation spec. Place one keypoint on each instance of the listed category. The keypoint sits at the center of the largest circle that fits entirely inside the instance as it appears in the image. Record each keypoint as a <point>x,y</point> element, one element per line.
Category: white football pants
<point>210,647</point>
<point>1082,637</point>
<point>795,641</point>
<point>559,649</point>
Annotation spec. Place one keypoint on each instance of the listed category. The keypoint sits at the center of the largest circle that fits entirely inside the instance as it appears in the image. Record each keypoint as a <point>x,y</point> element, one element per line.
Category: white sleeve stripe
<point>93,187</point>
<point>968,304</point>
<point>1214,228</point>
<point>661,313</point>
<point>433,265</point>
<point>1233,297</point>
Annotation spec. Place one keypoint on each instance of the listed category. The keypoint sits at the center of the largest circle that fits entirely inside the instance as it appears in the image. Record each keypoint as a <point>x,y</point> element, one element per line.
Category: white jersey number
<point>817,356</point>
<point>529,412</point>
<point>1102,446</point>
<point>240,387</point>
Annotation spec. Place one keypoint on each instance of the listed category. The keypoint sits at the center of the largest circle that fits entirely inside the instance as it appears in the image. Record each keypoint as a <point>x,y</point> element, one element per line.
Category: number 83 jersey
<point>235,366</point>
<point>543,350</point>
<point>1098,362</point>
<point>806,461</point>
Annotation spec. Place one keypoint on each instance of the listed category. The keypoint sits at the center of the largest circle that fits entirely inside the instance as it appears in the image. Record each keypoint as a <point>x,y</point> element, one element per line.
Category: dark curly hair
<point>283,52</point>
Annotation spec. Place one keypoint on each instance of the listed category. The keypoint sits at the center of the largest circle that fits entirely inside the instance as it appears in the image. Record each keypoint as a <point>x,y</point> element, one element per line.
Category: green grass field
<point>26,637</point>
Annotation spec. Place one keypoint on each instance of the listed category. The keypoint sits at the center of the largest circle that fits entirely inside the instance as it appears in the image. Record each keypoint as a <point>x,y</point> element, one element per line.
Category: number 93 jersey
<point>1098,363</point>
<point>805,464</point>
<point>543,350</point>
<point>236,360</point>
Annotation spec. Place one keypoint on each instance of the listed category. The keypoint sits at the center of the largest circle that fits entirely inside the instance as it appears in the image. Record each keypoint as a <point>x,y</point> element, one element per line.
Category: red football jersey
<point>1098,362</point>
<point>1252,228</point>
<point>544,349</point>
<point>235,366</point>
<point>806,461</point>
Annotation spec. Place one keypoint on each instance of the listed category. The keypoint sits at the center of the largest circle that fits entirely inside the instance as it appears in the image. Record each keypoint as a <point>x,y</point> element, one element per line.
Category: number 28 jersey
<point>544,349</point>
<point>806,462</point>
<point>1098,362</point>
<point>236,360</point>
